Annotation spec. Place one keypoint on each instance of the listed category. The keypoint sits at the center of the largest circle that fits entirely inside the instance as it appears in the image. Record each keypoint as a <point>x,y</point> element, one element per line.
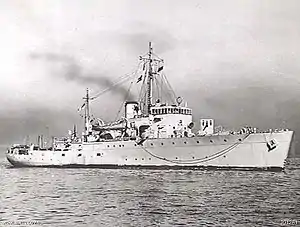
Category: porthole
<point>125,159</point>
<point>149,158</point>
<point>143,159</point>
<point>79,155</point>
<point>193,157</point>
<point>211,141</point>
<point>107,145</point>
<point>225,140</point>
<point>135,159</point>
<point>120,145</point>
<point>184,142</point>
<point>135,145</point>
<point>114,145</point>
<point>224,156</point>
<point>176,157</point>
<point>240,139</point>
<point>162,144</point>
<point>151,144</point>
<point>62,154</point>
<point>197,141</point>
<point>173,142</point>
<point>98,154</point>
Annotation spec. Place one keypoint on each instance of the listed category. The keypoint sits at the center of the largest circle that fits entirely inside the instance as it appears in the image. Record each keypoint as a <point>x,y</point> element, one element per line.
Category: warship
<point>154,133</point>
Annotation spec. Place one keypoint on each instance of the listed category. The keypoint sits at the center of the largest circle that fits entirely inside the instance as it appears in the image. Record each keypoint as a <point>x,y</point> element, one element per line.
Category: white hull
<point>231,151</point>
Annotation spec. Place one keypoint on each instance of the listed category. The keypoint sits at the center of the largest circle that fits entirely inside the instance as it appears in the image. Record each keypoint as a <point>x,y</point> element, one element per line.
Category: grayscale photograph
<point>149,113</point>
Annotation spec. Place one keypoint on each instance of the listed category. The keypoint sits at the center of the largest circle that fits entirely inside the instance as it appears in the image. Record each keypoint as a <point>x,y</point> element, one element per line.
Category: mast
<point>154,66</point>
<point>149,80</point>
<point>87,112</point>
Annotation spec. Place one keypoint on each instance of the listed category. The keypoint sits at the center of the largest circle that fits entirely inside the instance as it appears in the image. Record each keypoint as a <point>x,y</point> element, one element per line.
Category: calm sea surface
<point>118,197</point>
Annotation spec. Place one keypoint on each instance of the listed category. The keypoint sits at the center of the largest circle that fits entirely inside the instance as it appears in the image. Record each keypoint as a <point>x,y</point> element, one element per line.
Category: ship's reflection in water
<point>118,197</point>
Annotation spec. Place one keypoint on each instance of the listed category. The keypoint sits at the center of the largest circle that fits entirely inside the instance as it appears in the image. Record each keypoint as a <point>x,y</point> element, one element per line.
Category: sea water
<point>139,197</point>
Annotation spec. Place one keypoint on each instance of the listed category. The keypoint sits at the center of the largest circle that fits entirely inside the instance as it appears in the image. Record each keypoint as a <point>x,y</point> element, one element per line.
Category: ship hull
<point>240,151</point>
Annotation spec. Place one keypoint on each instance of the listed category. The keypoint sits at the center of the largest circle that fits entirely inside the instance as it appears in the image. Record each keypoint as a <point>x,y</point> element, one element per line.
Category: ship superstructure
<point>155,133</point>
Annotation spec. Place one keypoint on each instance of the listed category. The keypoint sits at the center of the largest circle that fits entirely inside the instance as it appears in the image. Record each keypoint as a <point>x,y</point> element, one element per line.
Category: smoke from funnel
<point>72,71</point>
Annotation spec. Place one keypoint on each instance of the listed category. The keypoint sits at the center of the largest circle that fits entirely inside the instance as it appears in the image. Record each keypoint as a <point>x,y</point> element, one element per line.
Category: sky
<point>234,61</point>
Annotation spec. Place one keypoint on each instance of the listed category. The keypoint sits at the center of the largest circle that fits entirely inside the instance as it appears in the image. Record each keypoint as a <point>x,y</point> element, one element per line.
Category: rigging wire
<point>121,80</point>
<point>166,93</point>
<point>169,85</point>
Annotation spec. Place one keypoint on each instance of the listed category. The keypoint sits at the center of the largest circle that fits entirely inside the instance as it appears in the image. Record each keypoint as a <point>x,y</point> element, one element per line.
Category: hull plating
<point>216,151</point>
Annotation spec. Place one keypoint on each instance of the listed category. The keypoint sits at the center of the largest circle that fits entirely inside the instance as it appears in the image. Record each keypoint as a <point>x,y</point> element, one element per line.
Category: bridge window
<point>176,111</point>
